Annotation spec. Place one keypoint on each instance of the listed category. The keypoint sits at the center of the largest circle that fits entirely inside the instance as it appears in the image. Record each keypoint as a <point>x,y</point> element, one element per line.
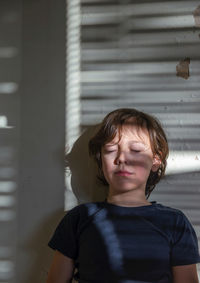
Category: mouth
<point>123,173</point>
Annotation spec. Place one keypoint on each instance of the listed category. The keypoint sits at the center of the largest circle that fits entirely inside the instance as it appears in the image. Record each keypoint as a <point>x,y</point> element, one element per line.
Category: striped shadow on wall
<point>143,54</point>
<point>10,27</point>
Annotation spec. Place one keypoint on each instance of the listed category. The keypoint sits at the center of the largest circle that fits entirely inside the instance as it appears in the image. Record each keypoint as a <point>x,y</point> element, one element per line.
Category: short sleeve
<point>64,238</point>
<point>185,244</point>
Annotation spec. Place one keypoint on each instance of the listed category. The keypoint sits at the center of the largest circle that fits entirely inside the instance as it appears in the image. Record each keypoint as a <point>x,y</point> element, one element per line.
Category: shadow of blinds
<point>10,18</point>
<point>145,54</point>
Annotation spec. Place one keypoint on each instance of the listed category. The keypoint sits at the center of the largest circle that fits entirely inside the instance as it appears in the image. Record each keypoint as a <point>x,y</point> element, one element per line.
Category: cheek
<point>107,166</point>
<point>143,163</point>
<point>142,171</point>
<point>106,171</point>
<point>144,159</point>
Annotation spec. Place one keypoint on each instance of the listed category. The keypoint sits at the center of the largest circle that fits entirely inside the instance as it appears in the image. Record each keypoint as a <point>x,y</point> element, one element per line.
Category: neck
<point>128,198</point>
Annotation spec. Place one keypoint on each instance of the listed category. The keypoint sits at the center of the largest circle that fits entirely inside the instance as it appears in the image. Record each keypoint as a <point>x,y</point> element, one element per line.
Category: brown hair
<point>113,122</point>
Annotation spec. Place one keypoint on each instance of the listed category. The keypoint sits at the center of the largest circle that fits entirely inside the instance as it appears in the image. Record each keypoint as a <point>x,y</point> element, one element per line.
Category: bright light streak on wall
<point>73,72</point>
<point>180,21</point>
<point>8,87</point>
<point>180,162</point>
<point>141,9</point>
<point>7,186</point>
<point>7,215</point>
<point>163,22</point>
<point>6,266</point>
<point>4,122</point>
<point>8,52</point>
<point>155,15</point>
<point>6,271</point>
<point>7,172</point>
<point>6,201</point>
<point>121,70</point>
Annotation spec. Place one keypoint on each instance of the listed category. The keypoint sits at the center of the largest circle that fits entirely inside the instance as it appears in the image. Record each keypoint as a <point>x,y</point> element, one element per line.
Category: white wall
<point>41,188</point>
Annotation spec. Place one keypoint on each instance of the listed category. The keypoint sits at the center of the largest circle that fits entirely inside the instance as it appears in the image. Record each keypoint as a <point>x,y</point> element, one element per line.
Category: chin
<point>124,188</point>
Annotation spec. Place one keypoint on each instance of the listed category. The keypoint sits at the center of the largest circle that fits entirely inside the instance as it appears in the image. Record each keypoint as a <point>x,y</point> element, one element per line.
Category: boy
<point>126,238</point>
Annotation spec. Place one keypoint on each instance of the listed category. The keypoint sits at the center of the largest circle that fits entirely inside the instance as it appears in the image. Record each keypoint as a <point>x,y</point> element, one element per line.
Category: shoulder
<point>84,210</point>
<point>176,219</point>
<point>166,211</point>
<point>79,217</point>
<point>172,217</point>
<point>183,238</point>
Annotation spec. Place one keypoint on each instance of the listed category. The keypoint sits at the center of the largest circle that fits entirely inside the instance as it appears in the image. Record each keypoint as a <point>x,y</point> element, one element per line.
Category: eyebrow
<point>131,142</point>
<point>138,142</point>
<point>110,144</point>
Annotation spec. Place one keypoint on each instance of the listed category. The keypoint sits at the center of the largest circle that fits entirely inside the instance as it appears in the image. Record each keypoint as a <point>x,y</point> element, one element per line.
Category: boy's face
<point>128,160</point>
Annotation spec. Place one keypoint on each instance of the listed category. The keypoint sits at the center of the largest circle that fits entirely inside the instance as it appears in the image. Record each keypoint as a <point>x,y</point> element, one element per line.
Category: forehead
<point>132,133</point>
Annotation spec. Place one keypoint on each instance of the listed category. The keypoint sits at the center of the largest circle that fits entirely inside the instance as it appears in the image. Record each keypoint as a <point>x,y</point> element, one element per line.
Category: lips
<point>123,173</point>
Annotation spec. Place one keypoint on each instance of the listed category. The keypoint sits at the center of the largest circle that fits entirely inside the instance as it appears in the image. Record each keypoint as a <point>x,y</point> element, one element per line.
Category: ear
<point>156,163</point>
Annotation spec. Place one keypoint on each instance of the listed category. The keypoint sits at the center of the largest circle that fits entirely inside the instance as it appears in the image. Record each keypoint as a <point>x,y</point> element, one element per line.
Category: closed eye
<point>109,151</point>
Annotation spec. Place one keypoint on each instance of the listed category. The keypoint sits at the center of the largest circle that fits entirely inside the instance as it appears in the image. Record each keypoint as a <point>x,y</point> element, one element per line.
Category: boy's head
<point>112,126</point>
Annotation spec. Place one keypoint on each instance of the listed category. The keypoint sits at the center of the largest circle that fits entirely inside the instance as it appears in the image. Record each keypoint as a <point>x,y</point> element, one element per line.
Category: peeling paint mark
<point>182,69</point>
<point>196,158</point>
<point>196,15</point>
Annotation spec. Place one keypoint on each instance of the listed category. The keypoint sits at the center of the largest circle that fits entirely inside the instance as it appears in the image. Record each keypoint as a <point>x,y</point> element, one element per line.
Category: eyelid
<point>110,149</point>
<point>139,148</point>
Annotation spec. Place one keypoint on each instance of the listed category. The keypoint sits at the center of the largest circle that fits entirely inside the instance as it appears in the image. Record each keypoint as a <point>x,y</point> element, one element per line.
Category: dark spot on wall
<point>196,15</point>
<point>182,69</point>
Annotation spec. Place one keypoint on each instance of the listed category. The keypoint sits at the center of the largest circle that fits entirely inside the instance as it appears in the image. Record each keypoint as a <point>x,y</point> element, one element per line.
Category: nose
<point>121,158</point>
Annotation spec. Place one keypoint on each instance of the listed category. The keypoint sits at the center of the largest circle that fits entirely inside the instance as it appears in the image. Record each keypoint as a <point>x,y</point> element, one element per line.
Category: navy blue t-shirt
<point>117,244</point>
